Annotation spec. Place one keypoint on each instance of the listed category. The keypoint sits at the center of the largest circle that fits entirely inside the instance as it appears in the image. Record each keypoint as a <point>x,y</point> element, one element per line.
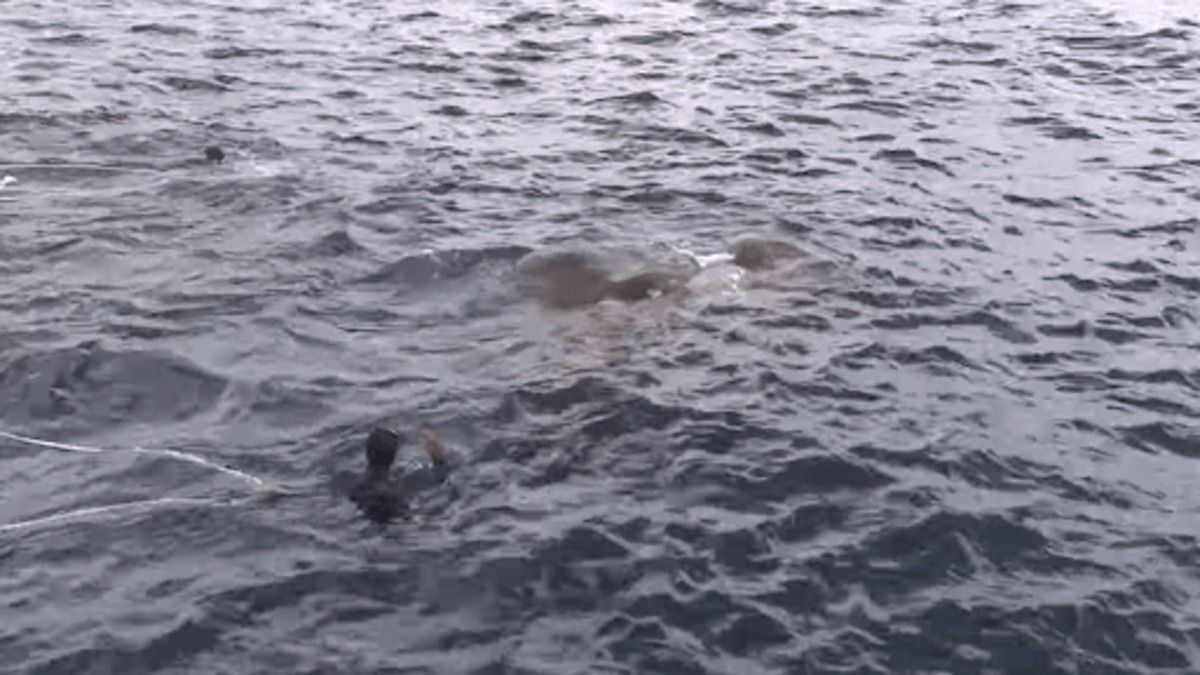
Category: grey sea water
<point>967,440</point>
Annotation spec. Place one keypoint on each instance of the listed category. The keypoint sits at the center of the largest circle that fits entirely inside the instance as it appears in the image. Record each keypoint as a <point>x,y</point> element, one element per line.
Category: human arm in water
<point>427,475</point>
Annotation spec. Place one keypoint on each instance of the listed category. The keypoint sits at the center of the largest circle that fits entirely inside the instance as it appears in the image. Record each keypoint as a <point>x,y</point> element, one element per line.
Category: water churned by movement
<point>957,432</point>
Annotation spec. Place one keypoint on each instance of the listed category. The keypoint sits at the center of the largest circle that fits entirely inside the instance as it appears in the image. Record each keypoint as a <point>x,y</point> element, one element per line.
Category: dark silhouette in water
<point>382,496</point>
<point>572,279</point>
<point>214,154</point>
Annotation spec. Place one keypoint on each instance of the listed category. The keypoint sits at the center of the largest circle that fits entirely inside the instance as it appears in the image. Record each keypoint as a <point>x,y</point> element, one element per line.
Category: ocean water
<point>963,436</point>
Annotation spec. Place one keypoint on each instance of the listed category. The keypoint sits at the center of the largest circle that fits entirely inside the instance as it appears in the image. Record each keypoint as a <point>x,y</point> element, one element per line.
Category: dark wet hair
<point>382,445</point>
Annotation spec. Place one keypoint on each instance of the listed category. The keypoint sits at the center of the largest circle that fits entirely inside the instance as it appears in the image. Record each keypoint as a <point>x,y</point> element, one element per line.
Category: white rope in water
<point>253,480</point>
<point>109,508</point>
<point>261,493</point>
<point>176,454</point>
<point>76,167</point>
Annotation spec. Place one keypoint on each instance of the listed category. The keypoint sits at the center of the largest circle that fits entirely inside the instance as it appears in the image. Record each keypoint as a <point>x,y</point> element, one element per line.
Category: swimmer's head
<point>382,445</point>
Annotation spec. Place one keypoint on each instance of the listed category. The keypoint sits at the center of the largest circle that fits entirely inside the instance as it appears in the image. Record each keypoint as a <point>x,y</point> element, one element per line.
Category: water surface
<point>964,443</point>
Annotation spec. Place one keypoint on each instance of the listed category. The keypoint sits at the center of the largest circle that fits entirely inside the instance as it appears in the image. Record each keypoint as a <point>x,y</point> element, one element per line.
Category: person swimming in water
<point>382,496</point>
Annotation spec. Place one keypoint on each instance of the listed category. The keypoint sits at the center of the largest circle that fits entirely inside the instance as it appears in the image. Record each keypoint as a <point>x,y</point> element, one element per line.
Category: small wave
<point>92,385</point>
<point>658,38</point>
<point>236,52</point>
<point>906,158</point>
<point>426,268</point>
<point>996,325</point>
<point>774,29</point>
<point>71,40</point>
<point>878,107</point>
<point>168,30</point>
<point>638,98</point>
<point>194,84</point>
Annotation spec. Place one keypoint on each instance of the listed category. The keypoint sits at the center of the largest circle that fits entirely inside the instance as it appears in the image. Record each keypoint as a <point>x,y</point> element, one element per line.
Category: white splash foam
<point>716,276</point>
<point>713,259</point>
<point>701,260</point>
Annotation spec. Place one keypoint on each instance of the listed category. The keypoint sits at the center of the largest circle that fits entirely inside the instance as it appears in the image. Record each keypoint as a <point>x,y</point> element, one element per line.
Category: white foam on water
<point>719,280</point>
<point>1151,14</point>
<point>5,182</point>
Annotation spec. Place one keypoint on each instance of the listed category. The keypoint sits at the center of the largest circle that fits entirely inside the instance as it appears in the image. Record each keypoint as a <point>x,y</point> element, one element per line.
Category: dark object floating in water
<point>214,154</point>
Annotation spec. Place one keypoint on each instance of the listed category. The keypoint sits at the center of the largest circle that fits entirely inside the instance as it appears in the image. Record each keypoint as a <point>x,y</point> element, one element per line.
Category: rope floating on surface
<point>262,491</point>
<point>108,508</point>
<point>176,454</point>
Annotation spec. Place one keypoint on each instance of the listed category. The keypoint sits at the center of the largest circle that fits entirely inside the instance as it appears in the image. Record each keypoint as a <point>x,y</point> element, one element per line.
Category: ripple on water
<point>90,385</point>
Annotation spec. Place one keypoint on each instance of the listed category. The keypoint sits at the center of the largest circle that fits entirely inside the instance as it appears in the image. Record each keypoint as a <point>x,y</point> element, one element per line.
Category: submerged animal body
<point>646,285</point>
<point>764,254</point>
<point>565,280</point>
<point>383,495</point>
<point>573,279</point>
